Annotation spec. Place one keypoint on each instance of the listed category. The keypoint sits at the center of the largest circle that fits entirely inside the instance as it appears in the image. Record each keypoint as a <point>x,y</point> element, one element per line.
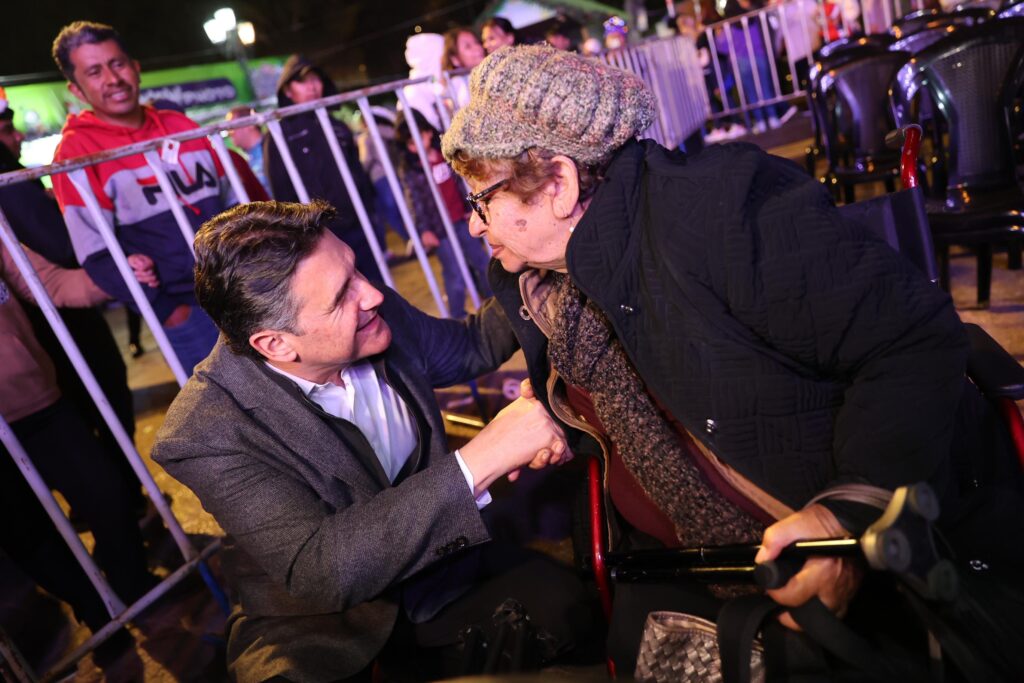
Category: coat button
<point>710,426</point>
<point>461,542</point>
<point>625,308</point>
<point>524,312</point>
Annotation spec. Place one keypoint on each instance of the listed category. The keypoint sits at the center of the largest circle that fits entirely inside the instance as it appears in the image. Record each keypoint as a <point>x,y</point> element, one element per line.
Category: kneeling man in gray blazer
<point>311,433</point>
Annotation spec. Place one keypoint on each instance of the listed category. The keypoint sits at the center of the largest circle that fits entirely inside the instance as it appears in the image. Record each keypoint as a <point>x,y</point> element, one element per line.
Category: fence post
<point>403,209</point>
<point>274,126</point>
<point>353,194</point>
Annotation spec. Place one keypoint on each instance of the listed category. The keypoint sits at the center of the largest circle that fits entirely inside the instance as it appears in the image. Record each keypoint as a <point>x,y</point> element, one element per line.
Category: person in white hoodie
<point>423,52</point>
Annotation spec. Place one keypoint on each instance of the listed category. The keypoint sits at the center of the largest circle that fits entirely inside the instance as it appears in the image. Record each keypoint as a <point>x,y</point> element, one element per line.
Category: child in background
<point>428,220</point>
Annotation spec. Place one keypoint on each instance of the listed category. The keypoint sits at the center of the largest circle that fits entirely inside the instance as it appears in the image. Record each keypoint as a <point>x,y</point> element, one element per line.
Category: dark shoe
<point>136,349</point>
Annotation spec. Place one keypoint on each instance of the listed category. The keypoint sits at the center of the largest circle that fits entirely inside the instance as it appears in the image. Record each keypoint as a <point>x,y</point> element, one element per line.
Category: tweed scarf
<point>585,352</point>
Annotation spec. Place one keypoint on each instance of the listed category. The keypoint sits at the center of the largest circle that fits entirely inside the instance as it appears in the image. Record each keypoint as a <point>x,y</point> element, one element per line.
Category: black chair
<point>846,50</point>
<point>911,23</point>
<point>916,42</point>
<point>1012,9</point>
<point>969,75</point>
<point>978,14</point>
<point>924,109</point>
<point>855,116</point>
<point>923,20</point>
<point>854,42</point>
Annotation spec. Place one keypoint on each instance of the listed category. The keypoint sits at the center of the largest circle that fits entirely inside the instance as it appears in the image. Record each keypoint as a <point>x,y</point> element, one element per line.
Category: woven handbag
<point>681,647</point>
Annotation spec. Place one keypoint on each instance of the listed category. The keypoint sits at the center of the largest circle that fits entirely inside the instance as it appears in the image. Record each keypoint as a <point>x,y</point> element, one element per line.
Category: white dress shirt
<point>368,402</point>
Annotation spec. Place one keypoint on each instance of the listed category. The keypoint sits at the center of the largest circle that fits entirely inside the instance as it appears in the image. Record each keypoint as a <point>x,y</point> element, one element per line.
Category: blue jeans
<point>387,211</point>
<point>476,260</point>
<point>193,339</point>
<point>764,74</point>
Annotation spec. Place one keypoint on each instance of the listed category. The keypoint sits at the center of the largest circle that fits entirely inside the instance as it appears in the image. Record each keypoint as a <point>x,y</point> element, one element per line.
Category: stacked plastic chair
<point>851,116</point>
<point>972,76</point>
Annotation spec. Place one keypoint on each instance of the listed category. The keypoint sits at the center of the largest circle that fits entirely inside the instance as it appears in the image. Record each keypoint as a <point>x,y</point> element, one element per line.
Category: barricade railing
<point>668,66</point>
<point>752,45</point>
<point>671,69</point>
<point>746,51</point>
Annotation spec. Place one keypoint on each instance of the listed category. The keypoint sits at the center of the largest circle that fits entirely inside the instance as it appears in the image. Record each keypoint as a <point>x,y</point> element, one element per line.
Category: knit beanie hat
<point>537,96</point>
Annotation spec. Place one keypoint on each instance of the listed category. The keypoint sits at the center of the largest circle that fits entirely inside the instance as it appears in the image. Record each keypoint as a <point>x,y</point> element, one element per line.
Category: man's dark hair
<point>80,33</point>
<point>245,259</point>
<point>504,24</point>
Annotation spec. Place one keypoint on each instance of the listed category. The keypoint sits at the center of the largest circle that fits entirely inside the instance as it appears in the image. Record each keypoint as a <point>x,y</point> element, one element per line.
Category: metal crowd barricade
<point>784,28</point>
<point>671,69</point>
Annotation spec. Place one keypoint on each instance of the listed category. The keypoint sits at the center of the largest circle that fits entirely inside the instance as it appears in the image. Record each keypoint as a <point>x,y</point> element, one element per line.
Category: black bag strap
<point>964,655</point>
<point>826,629</point>
<point>738,623</point>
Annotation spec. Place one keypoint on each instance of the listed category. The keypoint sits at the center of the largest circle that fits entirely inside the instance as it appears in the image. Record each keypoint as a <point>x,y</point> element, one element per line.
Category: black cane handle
<point>777,573</point>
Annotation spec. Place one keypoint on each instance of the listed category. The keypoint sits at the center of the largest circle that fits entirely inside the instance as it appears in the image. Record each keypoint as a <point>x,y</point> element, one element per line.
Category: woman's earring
<point>571,228</point>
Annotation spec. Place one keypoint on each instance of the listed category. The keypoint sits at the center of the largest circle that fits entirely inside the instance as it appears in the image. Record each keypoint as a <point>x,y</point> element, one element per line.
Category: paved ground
<point>179,638</point>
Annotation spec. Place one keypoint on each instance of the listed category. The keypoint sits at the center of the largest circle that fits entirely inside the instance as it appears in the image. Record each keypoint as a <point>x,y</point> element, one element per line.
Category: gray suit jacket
<point>319,544</point>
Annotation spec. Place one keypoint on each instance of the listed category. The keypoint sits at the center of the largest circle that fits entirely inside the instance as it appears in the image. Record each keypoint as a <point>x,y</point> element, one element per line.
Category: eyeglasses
<point>476,200</point>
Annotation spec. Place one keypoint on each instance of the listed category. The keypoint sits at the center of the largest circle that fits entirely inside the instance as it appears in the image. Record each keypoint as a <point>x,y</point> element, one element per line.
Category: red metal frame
<point>602,577</point>
<point>908,159</point>
<point>597,534</point>
<point>1015,423</point>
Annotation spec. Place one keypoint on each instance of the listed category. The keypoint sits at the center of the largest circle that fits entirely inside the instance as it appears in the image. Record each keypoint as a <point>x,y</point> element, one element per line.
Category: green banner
<point>41,108</point>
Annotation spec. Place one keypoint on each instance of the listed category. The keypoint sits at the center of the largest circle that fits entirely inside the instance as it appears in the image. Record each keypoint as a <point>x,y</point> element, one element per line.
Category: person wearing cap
<point>303,81</point>
<point>711,328</point>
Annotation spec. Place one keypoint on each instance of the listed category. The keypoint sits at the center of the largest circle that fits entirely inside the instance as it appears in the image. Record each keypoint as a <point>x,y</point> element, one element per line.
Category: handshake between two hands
<point>523,434</point>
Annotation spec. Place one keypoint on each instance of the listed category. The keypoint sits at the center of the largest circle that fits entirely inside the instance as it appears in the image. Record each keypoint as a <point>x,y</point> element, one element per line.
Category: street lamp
<point>223,22</point>
<point>235,35</point>
<point>246,32</point>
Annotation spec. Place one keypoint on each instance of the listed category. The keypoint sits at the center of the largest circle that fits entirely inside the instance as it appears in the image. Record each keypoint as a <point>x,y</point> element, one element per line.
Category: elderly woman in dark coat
<point>752,368</point>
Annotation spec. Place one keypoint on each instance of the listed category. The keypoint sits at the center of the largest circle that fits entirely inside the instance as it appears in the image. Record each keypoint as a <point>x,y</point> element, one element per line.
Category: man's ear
<point>77,92</point>
<point>566,186</point>
<point>273,345</point>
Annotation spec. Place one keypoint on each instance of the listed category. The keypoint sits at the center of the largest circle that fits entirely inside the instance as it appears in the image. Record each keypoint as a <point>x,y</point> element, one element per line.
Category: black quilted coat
<point>804,352</point>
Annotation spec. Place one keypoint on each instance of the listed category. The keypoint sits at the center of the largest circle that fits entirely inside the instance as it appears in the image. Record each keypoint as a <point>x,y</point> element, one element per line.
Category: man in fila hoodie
<point>101,74</point>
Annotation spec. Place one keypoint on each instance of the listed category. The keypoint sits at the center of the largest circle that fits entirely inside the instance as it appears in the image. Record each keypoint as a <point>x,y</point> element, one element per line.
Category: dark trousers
<point>557,602</point>
<point>71,460</point>
<point>90,331</point>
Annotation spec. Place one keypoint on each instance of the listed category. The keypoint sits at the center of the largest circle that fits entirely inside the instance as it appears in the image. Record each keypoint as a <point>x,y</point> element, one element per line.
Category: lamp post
<point>224,29</point>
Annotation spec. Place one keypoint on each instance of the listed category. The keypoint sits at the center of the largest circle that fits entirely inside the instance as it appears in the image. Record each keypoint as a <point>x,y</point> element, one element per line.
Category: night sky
<point>357,41</point>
